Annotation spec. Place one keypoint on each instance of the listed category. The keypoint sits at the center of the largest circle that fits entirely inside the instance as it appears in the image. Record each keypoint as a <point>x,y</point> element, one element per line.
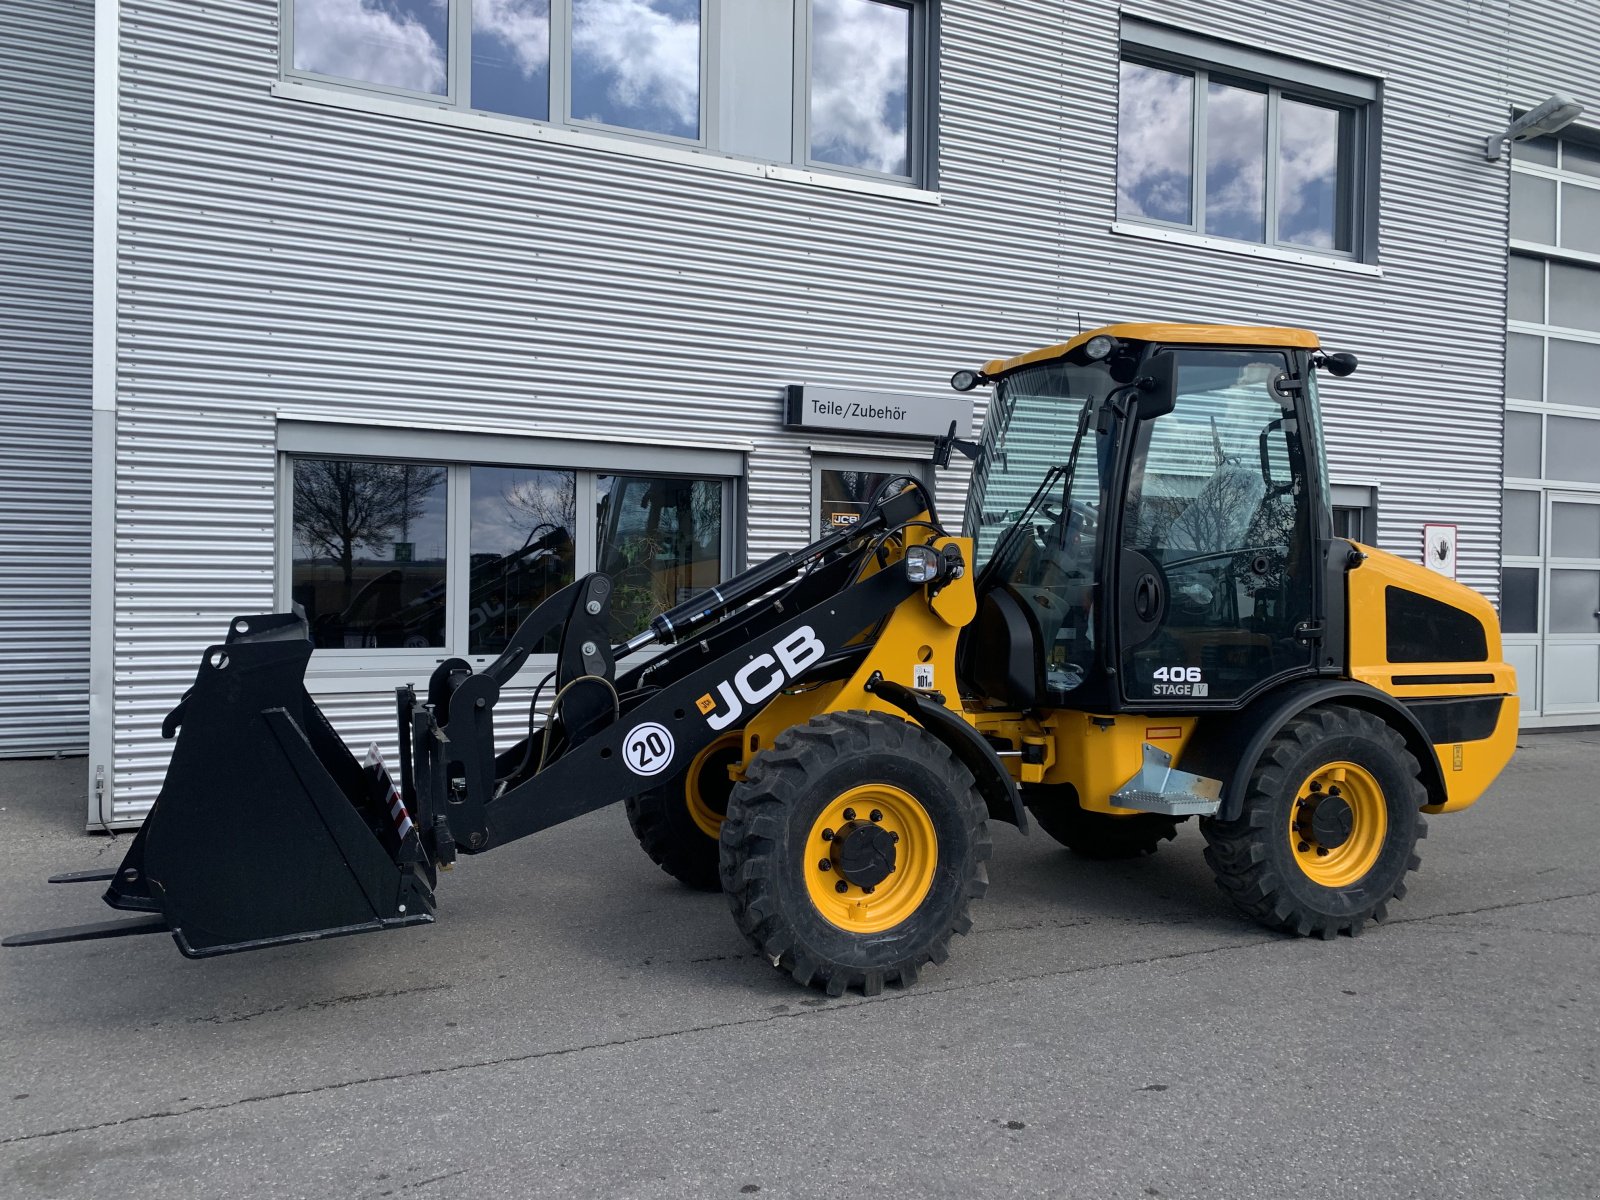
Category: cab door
<point>1215,579</point>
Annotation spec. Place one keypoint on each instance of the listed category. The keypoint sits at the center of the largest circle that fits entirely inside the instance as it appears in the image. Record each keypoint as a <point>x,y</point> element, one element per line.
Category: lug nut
<point>824,865</point>
<point>849,814</point>
<point>1322,852</point>
<point>1303,847</point>
<point>1315,786</point>
<point>1333,791</point>
<point>893,836</point>
<point>841,886</point>
<point>868,889</point>
<point>876,816</point>
<point>827,835</point>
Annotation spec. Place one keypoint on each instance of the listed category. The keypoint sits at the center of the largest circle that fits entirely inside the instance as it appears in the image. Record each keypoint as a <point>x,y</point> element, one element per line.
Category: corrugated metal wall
<point>278,254</point>
<point>46,204</point>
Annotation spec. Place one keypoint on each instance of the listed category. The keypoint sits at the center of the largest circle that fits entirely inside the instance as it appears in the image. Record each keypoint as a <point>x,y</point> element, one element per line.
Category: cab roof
<point>1166,334</point>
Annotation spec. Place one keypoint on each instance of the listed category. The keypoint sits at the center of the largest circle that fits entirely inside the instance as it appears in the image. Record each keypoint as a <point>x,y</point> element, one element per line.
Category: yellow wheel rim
<point>856,909</point>
<point>708,819</point>
<point>1336,846</point>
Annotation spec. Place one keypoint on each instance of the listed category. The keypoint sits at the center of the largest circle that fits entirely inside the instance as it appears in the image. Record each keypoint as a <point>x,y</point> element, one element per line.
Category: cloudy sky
<point>1154,172</point>
<point>400,43</point>
<point>860,54</point>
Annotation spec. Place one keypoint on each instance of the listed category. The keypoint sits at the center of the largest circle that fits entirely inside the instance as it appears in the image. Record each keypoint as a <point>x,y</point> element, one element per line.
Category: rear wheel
<point>1328,828</point>
<point>852,851</point>
<point>1055,806</point>
<point>678,822</point>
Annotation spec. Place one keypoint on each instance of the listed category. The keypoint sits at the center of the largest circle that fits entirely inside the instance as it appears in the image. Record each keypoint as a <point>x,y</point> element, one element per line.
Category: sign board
<point>403,551</point>
<point>1439,548</point>
<point>891,414</point>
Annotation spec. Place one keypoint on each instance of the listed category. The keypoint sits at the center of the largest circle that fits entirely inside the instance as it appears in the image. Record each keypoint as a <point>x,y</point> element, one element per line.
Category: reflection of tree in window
<point>347,514</point>
<point>660,542</point>
<point>523,526</point>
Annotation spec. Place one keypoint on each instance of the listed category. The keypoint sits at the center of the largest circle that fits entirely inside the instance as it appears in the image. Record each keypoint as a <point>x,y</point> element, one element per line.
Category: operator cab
<point>1150,516</point>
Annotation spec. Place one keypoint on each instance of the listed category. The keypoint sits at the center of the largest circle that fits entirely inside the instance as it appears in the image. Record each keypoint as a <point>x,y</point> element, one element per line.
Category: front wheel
<point>1328,828</point>
<point>852,850</point>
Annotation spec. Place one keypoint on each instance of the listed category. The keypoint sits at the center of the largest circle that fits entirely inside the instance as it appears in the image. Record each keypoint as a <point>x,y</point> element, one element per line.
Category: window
<point>843,487</point>
<point>1355,512</point>
<point>406,556</point>
<point>1231,143</point>
<point>835,84</point>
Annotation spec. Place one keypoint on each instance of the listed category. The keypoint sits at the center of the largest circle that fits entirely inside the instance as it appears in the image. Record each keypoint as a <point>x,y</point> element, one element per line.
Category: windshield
<point>1032,423</point>
<point>1035,505</point>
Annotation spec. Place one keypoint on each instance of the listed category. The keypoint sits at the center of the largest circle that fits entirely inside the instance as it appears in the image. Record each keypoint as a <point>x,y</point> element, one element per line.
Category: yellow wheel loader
<point>1146,617</point>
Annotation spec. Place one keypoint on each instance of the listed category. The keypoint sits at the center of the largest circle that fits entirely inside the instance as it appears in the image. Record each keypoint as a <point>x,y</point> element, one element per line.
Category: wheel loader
<point>1145,617</point>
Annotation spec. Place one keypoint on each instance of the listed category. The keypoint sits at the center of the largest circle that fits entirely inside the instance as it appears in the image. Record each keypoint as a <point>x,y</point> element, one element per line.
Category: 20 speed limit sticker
<point>648,749</point>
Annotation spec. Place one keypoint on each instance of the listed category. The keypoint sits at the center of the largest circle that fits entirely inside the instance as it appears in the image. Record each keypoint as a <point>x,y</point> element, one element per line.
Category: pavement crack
<point>920,993</point>
<point>313,1005</point>
<point>832,1010</point>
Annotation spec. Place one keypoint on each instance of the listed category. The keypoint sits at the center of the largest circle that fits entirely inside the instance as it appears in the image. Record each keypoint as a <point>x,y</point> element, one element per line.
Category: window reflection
<point>511,57</point>
<point>1155,114</point>
<point>860,72</point>
<point>1311,142</point>
<point>396,43</point>
<point>660,541</point>
<point>524,523</point>
<point>369,552</point>
<point>1236,162</point>
<point>636,64</point>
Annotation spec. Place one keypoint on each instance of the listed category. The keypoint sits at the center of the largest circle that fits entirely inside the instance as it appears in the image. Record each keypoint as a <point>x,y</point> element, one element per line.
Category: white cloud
<point>1308,170</point>
<point>1153,146</point>
<point>379,41</point>
<point>1236,157</point>
<point>522,25</point>
<point>859,60</point>
<point>653,57</point>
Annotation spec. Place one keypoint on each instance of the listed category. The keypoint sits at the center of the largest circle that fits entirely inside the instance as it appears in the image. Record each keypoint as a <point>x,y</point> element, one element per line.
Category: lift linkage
<point>268,830</point>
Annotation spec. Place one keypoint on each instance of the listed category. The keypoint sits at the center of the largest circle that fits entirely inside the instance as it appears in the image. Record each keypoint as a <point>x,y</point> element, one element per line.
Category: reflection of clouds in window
<point>1154,151</point>
<point>1308,173</point>
<point>860,67</point>
<point>511,57</point>
<point>636,64</point>
<point>398,43</point>
<point>1236,162</point>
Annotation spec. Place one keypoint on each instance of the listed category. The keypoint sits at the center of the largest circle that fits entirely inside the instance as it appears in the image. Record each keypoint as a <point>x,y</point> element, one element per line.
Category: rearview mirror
<point>1157,385</point>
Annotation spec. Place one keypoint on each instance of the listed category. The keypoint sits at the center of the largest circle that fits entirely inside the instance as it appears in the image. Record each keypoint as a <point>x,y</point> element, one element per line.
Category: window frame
<point>457,97</point>
<point>359,668</point>
<point>919,67</point>
<point>1207,60</point>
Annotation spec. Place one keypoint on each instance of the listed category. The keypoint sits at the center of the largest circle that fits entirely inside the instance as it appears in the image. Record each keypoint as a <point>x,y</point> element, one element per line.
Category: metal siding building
<point>46,194</point>
<point>276,255</point>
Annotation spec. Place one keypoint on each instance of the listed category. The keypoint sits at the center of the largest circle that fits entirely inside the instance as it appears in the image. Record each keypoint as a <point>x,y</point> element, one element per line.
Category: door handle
<point>1147,598</point>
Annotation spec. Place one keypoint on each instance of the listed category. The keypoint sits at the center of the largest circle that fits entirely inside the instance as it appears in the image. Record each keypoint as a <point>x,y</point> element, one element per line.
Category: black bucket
<point>267,829</point>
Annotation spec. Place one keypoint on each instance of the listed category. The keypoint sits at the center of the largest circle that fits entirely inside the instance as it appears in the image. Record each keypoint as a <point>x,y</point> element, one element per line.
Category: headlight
<point>1098,347</point>
<point>923,564</point>
<point>965,381</point>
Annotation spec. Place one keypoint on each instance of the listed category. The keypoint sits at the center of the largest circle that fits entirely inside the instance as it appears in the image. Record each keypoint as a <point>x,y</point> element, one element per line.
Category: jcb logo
<point>794,654</point>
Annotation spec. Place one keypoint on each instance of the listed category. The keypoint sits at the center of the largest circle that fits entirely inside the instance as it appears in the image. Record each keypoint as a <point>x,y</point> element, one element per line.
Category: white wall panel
<point>46,201</point>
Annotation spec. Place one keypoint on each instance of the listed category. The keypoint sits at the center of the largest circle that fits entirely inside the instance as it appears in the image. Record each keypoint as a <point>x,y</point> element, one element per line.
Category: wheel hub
<point>1326,819</point>
<point>863,853</point>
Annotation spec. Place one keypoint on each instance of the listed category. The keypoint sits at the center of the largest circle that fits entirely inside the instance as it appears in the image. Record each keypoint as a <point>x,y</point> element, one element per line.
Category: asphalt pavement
<point>578,1024</point>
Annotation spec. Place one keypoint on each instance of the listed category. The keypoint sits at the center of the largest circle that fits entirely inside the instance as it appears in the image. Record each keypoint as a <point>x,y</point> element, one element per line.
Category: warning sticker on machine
<point>922,676</point>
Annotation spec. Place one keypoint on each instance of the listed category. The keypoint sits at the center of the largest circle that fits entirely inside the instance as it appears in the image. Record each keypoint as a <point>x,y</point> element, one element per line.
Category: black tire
<point>1099,836</point>
<point>663,821</point>
<point>1261,869</point>
<point>767,850</point>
